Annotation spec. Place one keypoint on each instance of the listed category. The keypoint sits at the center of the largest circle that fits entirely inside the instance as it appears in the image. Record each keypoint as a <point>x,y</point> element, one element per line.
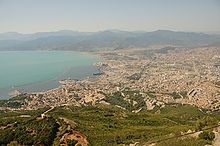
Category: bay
<point>33,71</point>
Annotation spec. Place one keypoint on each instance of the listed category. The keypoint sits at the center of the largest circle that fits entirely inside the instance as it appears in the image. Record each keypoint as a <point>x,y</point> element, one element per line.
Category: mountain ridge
<point>110,39</point>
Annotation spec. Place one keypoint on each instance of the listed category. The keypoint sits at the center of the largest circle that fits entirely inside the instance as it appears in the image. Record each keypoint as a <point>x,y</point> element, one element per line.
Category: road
<point>44,114</point>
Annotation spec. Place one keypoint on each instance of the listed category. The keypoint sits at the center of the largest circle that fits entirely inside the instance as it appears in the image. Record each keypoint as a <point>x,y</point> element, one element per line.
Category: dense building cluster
<point>181,75</point>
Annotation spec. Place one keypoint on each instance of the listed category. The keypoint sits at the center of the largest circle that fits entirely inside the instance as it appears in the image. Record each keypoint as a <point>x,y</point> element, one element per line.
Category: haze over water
<point>41,70</point>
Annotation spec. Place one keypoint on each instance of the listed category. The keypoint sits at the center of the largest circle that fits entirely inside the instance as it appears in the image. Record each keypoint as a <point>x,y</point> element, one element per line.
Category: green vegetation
<point>30,132</point>
<point>72,142</point>
<point>151,53</point>
<point>164,50</point>
<point>183,93</point>
<point>183,142</point>
<point>175,95</point>
<point>108,125</point>
<point>20,97</point>
<point>117,99</point>
<point>207,135</point>
<point>15,102</point>
<point>205,122</point>
<point>151,94</point>
<point>126,98</point>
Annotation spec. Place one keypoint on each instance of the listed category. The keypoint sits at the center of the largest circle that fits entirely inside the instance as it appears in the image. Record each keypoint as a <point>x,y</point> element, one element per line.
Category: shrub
<point>183,142</point>
<point>72,142</point>
<point>205,122</point>
<point>207,135</point>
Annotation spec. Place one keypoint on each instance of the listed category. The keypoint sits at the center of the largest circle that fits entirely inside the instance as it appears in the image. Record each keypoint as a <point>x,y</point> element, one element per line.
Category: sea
<point>35,71</point>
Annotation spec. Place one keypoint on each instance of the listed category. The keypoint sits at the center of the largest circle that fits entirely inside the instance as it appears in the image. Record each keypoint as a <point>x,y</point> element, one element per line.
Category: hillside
<point>106,125</point>
<point>110,39</point>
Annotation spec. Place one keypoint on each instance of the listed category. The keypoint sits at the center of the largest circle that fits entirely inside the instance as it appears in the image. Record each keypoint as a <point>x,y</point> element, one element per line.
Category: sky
<point>28,16</point>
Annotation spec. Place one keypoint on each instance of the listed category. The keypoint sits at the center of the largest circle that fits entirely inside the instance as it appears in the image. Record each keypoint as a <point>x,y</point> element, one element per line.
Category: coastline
<point>47,85</point>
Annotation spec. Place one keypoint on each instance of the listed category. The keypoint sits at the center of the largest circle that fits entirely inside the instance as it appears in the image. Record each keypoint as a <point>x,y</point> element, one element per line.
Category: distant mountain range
<point>110,39</point>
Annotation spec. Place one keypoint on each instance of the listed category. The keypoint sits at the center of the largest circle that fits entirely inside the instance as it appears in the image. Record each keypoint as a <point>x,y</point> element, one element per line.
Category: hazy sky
<point>28,16</point>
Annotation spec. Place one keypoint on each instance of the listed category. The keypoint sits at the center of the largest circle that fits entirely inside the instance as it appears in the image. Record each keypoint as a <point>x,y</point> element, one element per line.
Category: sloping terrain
<point>106,125</point>
<point>83,41</point>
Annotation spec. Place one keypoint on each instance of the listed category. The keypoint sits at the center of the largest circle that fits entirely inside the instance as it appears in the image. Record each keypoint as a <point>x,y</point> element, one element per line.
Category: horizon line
<point>144,31</point>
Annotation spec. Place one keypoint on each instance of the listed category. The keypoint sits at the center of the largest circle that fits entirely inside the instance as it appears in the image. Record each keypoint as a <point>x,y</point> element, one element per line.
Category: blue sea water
<point>33,71</point>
